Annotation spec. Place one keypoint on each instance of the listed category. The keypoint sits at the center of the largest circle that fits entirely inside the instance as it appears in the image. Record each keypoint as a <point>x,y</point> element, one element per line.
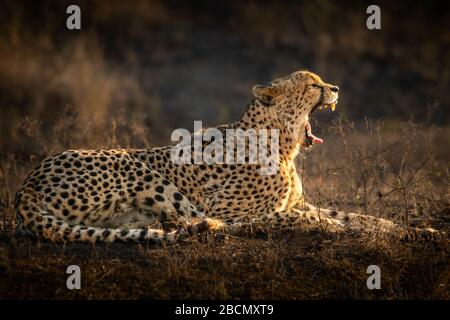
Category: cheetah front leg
<point>289,219</point>
<point>327,220</point>
<point>367,223</point>
<point>297,218</point>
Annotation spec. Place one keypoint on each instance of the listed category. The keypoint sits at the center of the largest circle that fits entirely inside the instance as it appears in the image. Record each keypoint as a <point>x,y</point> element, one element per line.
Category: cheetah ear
<point>266,94</point>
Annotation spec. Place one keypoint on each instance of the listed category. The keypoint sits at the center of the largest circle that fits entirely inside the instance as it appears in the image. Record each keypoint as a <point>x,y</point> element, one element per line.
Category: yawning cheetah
<point>141,195</point>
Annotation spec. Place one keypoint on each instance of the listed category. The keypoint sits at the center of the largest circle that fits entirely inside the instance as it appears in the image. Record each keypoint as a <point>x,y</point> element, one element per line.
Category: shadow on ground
<point>292,265</point>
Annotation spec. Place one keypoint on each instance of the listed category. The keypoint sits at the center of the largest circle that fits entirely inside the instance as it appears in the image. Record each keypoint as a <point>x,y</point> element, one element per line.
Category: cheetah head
<point>294,98</point>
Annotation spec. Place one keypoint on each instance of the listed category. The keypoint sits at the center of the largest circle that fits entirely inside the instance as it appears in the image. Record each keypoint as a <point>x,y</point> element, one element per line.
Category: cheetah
<point>141,195</point>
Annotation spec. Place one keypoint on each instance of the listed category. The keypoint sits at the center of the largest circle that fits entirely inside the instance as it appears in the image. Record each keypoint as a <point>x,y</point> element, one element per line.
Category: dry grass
<point>394,174</point>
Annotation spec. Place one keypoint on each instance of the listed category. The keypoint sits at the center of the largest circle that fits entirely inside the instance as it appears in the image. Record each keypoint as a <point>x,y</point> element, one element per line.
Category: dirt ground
<point>293,265</point>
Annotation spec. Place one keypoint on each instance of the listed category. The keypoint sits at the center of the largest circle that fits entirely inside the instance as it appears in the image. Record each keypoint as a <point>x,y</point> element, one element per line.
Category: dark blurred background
<point>139,69</point>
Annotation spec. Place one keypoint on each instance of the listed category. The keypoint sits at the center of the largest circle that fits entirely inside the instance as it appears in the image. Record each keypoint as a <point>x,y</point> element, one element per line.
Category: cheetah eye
<point>314,85</point>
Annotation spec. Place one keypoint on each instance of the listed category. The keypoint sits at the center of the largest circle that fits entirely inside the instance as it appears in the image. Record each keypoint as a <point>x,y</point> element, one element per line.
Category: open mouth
<point>311,139</point>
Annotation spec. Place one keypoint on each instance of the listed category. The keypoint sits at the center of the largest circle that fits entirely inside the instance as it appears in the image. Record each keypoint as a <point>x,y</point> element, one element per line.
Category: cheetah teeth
<point>332,106</point>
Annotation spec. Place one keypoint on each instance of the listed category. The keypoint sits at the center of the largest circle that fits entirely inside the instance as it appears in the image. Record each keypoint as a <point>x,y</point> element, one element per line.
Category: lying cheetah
<point>141,195</point>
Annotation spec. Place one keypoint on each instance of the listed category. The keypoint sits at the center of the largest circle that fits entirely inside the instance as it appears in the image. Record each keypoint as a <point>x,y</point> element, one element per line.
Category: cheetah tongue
<point>311,139</point>
<point>315,139</point>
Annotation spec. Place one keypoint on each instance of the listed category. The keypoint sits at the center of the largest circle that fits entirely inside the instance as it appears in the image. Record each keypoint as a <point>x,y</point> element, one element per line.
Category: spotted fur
<point>143,196</point>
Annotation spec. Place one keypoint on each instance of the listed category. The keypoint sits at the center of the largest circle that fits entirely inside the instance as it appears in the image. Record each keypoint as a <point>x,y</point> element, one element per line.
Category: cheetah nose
<point>334,88</point>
